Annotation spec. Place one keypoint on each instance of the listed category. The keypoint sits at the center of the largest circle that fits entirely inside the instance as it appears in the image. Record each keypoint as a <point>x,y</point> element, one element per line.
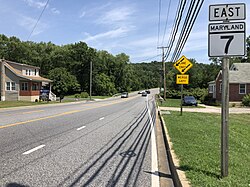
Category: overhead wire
<point>38,20</point>
<point>166,23</point>
<point>193,19</point>
<point>159,22</point>
<point>175,27</point>
<point>184,29</point>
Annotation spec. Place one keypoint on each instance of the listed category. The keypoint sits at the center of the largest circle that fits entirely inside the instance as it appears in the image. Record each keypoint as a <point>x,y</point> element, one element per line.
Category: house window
<point>24,86</point>
<point>34,86</point>
<point>35,72</point>
<point>10,86</point>
<point>26,72</point>
<point>211,88</point>
<point>13,86</point>
<point>29,72</point>
<point>242,88</point>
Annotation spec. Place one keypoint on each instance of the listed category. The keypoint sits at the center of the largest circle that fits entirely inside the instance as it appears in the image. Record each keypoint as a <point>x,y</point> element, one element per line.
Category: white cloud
<point>116,33</point>
<point>29,23</point>
<point>116,15</point>
<point>35,3</point>
<point>55,11</point>
<point>83,13</point>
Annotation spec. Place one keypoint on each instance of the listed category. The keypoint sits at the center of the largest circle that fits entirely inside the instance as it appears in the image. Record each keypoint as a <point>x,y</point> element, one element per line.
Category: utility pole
<point>164,70</point>
<point>90,80</point>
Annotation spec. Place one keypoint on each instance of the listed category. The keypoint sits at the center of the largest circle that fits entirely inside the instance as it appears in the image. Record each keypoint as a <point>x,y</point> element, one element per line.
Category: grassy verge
<point>174,103</point>
<point>196,141</point>
<point>7,104</point>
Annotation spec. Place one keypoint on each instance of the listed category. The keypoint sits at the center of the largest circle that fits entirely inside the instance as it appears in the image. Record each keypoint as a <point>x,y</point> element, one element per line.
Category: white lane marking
<point>101,118</point>
<point>80,128</point>
<point>34,149</point>
<point>155,180</point>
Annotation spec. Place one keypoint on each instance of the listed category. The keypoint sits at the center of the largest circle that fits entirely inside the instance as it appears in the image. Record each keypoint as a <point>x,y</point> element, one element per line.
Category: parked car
<point>189,101</point>
<point>148,91</point>
<point>124,95</point>
<point>144,94</point>
<point>140,92</point>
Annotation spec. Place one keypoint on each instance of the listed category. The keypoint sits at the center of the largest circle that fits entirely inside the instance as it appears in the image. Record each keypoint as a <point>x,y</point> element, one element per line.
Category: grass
<point>93,97</point>
<point>196,141</point>
<point>175,103</point>
<point>7,104</point>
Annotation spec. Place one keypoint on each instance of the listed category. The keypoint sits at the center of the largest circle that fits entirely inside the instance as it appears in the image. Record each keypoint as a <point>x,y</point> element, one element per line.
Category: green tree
<point>63,82</point>
<point>103,85</point>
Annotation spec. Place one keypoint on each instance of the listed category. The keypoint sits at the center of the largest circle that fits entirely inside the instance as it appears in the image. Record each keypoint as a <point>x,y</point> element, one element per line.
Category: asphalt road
<point>104,143</point>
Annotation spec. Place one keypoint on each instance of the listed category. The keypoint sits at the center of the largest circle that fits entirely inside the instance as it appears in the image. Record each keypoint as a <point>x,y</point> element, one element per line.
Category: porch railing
<point>52,96</point>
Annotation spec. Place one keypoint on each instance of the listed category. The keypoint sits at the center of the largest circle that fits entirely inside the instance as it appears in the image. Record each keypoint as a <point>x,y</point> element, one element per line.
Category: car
<point>189,101</point>
<point>148,91</point>
<point>124,95</point>
<point>144,94</point>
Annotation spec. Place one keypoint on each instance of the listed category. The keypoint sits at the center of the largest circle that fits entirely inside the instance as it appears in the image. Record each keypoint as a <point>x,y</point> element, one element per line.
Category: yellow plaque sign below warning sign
<point>182,79</point>
<point>183,65</point>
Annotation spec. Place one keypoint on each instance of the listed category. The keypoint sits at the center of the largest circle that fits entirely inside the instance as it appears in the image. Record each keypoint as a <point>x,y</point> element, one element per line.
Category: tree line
<point>69,68</point>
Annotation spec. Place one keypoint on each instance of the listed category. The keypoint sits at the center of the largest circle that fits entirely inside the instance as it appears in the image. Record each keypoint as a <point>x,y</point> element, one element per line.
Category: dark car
<point>148,91</point>
<point>189,101</point>
<point>144,94</point>
<point>124,95</point>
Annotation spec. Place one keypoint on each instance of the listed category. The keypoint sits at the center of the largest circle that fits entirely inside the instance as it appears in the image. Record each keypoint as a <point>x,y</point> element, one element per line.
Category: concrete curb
<point>179,177</point>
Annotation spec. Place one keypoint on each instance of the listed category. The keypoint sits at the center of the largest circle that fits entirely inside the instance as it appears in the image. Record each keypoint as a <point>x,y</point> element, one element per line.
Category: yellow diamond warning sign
<point>182,79</point>
<point>183,65</point>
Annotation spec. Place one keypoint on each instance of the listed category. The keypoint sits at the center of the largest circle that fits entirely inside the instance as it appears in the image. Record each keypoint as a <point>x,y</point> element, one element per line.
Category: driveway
<point>209,109</point>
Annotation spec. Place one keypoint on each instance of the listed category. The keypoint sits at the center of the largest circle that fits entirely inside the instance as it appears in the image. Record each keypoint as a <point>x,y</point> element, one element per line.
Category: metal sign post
<point>182,65</point>
<point>225,117</point>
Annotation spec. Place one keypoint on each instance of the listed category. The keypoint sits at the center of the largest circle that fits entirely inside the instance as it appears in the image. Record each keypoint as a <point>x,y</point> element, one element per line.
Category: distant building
<point>21,82</point>
<point>239,83</point>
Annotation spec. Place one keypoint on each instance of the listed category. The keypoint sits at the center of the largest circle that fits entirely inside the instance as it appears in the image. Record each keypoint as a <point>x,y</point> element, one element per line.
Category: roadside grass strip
<point>196,141</point>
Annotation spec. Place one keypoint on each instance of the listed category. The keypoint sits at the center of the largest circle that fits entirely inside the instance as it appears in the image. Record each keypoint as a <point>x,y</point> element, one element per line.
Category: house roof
<point>31,78</point>
<point>239,73</point>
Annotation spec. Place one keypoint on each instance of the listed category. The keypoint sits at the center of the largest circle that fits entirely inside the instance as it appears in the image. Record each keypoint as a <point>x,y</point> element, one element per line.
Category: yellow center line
<point>61,114</point>
<point>38,119</point>
<point>32,111</point>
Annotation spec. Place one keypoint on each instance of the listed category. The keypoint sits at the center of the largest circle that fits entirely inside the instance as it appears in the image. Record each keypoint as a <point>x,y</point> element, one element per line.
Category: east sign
<point>222,12</point>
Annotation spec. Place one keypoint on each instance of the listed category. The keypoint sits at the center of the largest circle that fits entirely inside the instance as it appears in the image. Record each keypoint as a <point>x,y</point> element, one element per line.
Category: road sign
<point>183,65</point>
<point>226,39</point>
<point>223,12</point>
<point>182,79</point>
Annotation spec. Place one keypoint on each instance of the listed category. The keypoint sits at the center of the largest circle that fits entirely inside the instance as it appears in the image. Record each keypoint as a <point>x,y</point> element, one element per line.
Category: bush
<point>77,96</point>
<point>209,100</point>
<point>246,100</point>
<point>84,95</point>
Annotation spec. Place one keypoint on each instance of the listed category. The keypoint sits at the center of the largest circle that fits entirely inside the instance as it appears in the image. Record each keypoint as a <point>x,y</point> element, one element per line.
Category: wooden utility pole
<point>224,117</point>
<point>90,80</point>
<point>164,71</point>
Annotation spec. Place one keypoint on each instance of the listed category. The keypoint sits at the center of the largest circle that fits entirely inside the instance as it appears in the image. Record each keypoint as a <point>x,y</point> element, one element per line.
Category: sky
<point>133,27</point>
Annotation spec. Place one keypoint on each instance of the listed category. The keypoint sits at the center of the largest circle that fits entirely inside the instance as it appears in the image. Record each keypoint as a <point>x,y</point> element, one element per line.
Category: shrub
<point>84,95</point>
<point>246,100</point>
<point>209,100</point>
<point>77,96</point>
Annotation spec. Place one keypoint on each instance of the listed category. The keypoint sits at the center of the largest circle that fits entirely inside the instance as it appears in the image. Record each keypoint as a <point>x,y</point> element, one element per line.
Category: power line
<point>159,22</point>
<point>38,19</point>
<point>166,23</point>
<point>190,26</point>
<point>175,27</point>
<point>184,28</point>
